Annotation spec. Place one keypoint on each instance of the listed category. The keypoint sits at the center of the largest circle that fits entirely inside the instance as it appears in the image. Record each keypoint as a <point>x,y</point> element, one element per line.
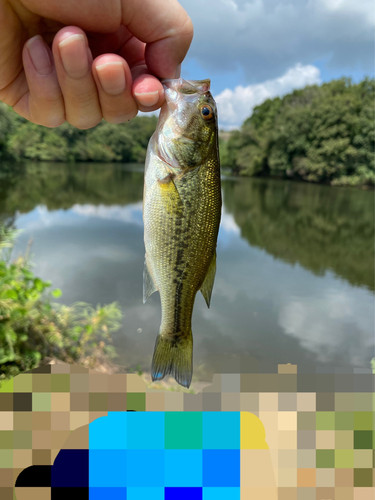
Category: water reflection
<point>295,263</point>
<point>315,226</point>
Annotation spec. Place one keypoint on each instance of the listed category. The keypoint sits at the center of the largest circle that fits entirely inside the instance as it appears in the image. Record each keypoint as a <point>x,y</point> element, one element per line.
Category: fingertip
<point>148,93</point>
<point>66,33</point>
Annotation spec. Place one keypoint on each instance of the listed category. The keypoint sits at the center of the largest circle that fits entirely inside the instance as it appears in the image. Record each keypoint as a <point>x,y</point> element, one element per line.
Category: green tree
<point>22,140</point>
<point>318,134</point>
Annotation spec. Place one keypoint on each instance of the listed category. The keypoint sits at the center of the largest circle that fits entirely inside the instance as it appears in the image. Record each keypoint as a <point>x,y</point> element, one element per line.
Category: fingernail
<point>178,71</point>
<point>39,55</point>
<point>74,56</point>
<point>112,77</point>
<point>147,98</point>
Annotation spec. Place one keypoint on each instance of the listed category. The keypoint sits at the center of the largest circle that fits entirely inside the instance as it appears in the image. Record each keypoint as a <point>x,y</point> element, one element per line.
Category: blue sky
<point>255,49</point>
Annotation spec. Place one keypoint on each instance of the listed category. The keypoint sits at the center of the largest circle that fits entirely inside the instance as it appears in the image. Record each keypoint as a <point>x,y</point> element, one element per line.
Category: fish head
<point>187,128</point>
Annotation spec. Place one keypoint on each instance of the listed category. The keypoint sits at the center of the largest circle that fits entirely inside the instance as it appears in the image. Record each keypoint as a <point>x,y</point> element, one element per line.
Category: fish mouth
<point>187,86</point>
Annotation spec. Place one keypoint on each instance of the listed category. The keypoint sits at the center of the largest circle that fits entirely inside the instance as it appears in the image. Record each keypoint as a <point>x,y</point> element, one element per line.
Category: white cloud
<point>263,38</point>
<point>236,105</point>
<point>362,8</point>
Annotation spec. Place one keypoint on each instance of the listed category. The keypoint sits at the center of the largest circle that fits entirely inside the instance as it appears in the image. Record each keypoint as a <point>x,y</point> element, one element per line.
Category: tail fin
<point>174,358</point>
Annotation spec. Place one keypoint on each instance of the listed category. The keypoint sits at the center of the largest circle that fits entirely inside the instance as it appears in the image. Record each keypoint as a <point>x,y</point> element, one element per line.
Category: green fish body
<point>181,213</point>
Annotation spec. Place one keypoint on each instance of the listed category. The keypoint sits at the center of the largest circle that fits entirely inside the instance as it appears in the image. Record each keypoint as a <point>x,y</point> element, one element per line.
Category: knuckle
<point>85,122</point>
<point>120,117</point>
<point>53,122</point>
<point>82,100</point>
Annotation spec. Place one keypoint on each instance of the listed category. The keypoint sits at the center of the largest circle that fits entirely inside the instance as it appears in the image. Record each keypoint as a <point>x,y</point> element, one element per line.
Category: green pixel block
<point>41,401</point>
<point>136,401</point>
<point>363,440</point>
<point>344,420</point>
<point>60,382</point>
<point>22,440</point>
<point>363,420</point>
<point>363,478</point>
<point>6,386</point>
<point>325,420</point>
<point>344,459</point>
<point>6,459</point>
<point>325,459</point>
<point>183,430</point>
<point>23,383</point>
<point>6,440</point>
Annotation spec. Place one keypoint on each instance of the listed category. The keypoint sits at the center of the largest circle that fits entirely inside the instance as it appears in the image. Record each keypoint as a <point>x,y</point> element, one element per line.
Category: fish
<point>181,213</point>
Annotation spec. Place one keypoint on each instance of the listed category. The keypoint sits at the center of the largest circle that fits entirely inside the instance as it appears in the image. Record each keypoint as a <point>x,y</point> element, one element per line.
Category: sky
<point>258,49</point>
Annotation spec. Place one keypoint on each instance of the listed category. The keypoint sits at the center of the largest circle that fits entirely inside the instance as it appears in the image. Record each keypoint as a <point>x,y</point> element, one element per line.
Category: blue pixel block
<point>183,468</point>
<point>221,430</point>
<point>108,494</point>
<point>109,433</point>
<point>145,468</point>
<point>183,494</point>
<point>221,493</point>
<point>107,468</point>
<point>145,430</point>
<point>221,468</point>
<point>145,494</point>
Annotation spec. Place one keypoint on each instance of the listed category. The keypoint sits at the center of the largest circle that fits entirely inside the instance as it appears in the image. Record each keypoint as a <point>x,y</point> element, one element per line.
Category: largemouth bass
<point>181,213</point>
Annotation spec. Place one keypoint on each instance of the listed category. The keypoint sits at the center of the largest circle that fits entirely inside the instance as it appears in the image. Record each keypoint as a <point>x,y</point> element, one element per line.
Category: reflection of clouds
<point>41,217</point>
<point>131,213</point>
<point>228,223</point>
<point>325,322</point>
<point>228,229</point>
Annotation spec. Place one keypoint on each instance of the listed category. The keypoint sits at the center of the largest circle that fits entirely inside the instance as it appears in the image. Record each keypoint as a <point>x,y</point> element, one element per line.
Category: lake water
<point>295,266</point>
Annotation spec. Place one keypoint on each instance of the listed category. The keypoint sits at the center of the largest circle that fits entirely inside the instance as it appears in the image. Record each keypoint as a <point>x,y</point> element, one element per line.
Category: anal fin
<point>208,282</point>
<point>149,286</point>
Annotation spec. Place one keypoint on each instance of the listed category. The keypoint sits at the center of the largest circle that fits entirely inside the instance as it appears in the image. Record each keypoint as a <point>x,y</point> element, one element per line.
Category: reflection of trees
<point>316,226</point>
<point>59,186</point>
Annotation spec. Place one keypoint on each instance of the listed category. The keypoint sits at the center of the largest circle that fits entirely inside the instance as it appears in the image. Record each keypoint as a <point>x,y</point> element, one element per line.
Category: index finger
<point>163,25</point>
<point>166,29</point>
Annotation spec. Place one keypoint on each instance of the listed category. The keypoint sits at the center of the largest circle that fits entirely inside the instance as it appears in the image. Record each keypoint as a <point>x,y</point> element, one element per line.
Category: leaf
<point>57,293</point>
<point>11,294</point>
<point>39,285</point>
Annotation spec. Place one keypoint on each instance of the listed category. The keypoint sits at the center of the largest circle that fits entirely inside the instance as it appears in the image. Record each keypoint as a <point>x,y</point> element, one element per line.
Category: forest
<point>321,134</point>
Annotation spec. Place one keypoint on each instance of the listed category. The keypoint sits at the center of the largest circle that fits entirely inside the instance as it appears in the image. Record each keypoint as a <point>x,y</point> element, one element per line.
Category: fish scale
<point>181,211</point>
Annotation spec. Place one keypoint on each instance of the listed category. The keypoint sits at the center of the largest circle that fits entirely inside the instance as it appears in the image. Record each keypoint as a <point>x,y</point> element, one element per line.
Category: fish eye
<point>207,112</point>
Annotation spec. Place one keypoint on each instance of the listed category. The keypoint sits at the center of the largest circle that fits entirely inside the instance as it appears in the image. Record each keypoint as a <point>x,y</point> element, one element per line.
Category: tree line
<point>23,140</point>
<point>319,134</point>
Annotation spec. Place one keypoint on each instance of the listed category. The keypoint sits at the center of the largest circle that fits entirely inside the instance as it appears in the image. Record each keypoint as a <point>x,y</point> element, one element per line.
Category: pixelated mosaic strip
<point>302,428</point>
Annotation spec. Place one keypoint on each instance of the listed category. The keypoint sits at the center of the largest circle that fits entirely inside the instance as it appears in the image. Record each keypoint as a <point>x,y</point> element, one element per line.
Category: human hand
<point>105,58</point>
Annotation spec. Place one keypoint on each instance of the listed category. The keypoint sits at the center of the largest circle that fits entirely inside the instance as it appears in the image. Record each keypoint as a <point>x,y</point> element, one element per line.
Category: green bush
<point>32,327</point>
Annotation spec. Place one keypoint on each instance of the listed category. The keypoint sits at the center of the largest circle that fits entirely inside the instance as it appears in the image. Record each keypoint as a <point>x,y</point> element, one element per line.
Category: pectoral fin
<point>171,197</point>
<point>208,282</point>
<point>149,286</point>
